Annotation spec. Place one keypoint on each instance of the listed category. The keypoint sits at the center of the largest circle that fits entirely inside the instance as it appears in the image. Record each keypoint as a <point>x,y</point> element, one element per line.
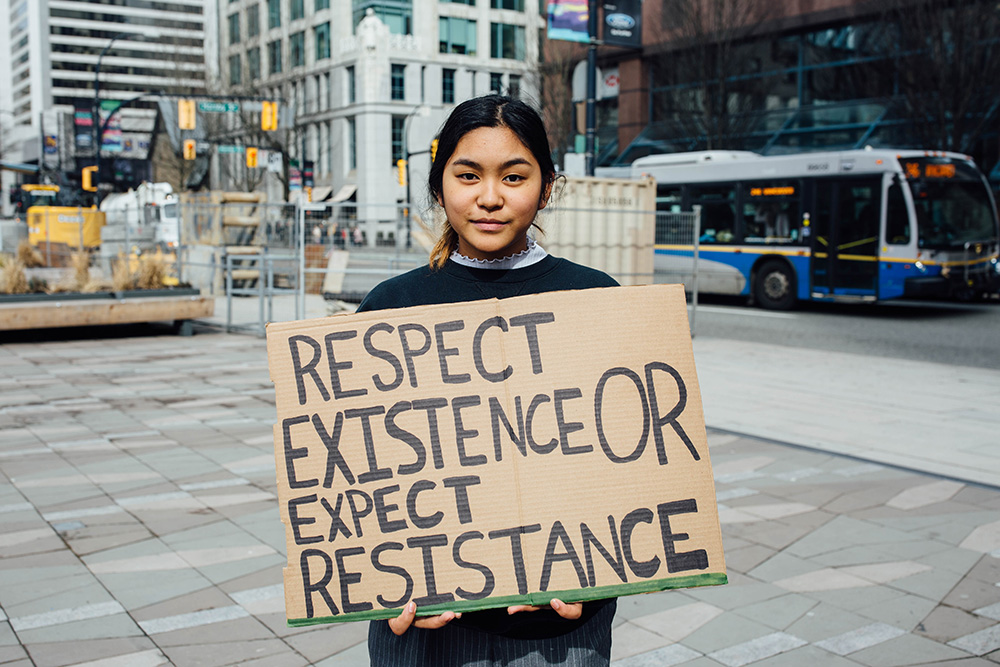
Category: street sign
<point>230,149</point>
<point>218,107</point>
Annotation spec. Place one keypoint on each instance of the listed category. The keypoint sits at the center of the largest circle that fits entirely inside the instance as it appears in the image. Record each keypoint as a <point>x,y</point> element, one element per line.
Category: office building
<point>61,52</point>
<point>366,83</point>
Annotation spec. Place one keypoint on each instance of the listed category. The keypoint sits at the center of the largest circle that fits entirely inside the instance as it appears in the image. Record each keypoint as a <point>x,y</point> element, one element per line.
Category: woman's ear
<point>543,201</point>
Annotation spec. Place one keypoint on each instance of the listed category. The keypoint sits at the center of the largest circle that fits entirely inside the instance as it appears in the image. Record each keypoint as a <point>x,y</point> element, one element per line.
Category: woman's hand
<point>408,617</point>
<point>571,611</point>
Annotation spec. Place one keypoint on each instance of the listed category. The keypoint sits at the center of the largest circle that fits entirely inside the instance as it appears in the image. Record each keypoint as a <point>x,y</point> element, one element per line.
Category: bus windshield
<point>952,204</point>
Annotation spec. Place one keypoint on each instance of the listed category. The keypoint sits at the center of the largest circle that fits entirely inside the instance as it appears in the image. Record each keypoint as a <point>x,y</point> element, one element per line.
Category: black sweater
<point>456,283</point>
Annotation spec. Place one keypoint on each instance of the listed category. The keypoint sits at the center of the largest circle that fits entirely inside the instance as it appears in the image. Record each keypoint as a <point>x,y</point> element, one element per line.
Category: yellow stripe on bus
<point>821,255</point>
<point>736,250</point>
<point>853,244</point>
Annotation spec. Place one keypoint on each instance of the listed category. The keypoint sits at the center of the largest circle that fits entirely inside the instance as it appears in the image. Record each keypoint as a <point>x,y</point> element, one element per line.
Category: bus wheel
<point>774,286</point>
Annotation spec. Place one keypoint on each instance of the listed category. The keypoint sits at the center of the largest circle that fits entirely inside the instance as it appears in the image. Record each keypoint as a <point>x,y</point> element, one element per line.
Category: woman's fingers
<point>402,623</point>
<point>571,611</point>
<point>408,617</point>
<point>522,607</point>
<point>435,622</point>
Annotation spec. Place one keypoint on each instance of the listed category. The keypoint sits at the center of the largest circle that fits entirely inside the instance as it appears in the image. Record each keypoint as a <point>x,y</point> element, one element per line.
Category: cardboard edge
<point>542,598</point>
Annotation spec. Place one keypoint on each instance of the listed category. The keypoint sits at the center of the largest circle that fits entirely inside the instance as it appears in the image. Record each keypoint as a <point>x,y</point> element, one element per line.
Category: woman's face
<point>491,189</point>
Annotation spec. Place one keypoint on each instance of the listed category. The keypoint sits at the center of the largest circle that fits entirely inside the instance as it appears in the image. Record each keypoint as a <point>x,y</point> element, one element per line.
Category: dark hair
<point>486,111</point>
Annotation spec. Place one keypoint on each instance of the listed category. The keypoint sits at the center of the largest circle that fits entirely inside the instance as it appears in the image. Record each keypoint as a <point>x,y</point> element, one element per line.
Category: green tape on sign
<point>538,599</point>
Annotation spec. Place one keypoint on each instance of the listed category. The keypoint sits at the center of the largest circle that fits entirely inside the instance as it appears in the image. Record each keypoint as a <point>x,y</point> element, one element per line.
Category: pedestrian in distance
<point>491,175</point>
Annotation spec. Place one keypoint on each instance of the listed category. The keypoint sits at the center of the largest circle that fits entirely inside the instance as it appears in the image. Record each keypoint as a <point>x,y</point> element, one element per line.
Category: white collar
<point>533,254</point>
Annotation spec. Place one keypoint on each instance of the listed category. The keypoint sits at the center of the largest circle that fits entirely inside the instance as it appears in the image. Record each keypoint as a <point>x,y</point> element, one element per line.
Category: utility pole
<point>588,155</point>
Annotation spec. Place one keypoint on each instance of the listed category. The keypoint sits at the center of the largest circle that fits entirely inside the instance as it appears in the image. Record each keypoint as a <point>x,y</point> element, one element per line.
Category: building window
<point>297,48</point>
<point>471,3</point>
<point>352,144</point>
<point>456,35</point>
<point>516,5</point>
<point>496,83</point>
<point>507,41</point>
<point>298,9</point>
<point>235,71</point>
<point>397,14</point>
<point>253,63</point>
<point>447,86</point>
<point>398,152</point>
<point>273,13</point>
<point>351,90</point>
<point>234,28</point>
<point>514,86</point>
<point>253,21</point>
<point>274,56</point>
<point>321,4</point>
<point>321,34</point>
<point>399,82</point>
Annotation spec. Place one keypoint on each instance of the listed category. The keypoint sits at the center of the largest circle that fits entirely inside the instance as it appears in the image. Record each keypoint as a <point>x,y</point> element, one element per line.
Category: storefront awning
<point>321,193</point>
<point>344,193</point>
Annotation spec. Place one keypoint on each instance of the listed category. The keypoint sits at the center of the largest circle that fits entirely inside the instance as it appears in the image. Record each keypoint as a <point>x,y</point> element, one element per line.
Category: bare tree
<point>710,65</point>
<point>947,57</point>
<point>555,88</point>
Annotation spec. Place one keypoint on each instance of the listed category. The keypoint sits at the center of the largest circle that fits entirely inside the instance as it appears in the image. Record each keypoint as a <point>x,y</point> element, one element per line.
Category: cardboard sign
<point>475,455</point>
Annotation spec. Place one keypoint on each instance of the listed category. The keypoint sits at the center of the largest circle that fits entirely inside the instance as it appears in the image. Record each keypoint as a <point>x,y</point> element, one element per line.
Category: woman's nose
<point>489,196</point>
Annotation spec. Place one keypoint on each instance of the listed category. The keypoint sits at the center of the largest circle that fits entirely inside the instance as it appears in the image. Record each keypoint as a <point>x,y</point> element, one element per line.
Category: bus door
<point>845,232</point>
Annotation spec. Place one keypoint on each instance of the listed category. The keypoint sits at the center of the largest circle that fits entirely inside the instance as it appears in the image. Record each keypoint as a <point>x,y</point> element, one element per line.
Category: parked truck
<point>150,212</point>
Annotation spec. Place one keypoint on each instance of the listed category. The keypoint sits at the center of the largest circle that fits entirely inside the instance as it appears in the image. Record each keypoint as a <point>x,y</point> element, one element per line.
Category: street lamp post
<point>423,110</point>
<point>97,128</point>
<point>98,134</point>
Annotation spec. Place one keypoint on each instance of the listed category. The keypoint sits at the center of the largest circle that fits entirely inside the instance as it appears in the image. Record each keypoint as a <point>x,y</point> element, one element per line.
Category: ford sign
<point>620,21</point>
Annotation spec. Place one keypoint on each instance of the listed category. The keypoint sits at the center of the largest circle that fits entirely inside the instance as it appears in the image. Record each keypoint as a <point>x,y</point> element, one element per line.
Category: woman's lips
<point>489,225</point>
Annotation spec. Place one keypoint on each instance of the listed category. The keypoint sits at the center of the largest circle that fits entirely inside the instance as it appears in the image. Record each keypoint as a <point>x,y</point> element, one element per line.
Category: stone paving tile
<point>127,650</point>
<point>946,623</point>
<point>906,650</point>
<point>724,632</point>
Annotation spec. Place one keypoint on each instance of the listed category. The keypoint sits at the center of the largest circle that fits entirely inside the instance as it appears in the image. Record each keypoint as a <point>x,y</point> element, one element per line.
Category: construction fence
<point>261,260</point>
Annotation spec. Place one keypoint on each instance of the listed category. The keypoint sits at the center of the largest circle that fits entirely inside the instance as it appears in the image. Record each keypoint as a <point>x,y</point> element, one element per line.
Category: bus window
<point>859,215</point>
<point>897,220</point>
<point>718,209</point>
<point>668,198</point>
<point>771,211</point>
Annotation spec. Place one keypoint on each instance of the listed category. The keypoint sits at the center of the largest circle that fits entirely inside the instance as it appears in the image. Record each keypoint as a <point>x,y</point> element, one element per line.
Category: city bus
<point>858,225</point>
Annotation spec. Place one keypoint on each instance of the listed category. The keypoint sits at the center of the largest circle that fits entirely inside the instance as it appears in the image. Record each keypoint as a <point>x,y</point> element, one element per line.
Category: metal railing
<point>677,238</point>
<point>255,256</point>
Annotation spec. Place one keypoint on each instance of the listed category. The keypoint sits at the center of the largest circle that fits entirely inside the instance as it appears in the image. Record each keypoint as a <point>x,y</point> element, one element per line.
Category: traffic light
<point>88,178</point>
<point>189,149</point>
<point>269,116</point>
<point>401,166</point>
<point>186,118</point>
<point>252,157</point>
<point>434,149</point>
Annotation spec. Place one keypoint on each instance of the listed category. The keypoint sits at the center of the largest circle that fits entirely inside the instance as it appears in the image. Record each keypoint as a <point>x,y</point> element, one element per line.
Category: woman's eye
<point>514,178</point>
<point>466,177</point>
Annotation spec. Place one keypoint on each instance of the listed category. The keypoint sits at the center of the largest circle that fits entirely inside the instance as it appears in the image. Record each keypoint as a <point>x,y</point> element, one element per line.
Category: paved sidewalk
<point>139,524</point>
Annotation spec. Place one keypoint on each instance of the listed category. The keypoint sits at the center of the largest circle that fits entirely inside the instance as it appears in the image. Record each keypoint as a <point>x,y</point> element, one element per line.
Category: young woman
<point>492,174</point>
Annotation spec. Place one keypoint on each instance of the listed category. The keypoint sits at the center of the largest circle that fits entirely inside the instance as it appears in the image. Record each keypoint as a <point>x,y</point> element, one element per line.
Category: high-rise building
<point>366,83</point>
<point>67,56</point>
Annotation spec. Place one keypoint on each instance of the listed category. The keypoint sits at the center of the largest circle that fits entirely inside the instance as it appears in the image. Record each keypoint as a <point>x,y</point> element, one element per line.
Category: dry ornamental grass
<point>28,255</point>
<point>12,278</point>
<point>121,275</point>
<point>152,270</point>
